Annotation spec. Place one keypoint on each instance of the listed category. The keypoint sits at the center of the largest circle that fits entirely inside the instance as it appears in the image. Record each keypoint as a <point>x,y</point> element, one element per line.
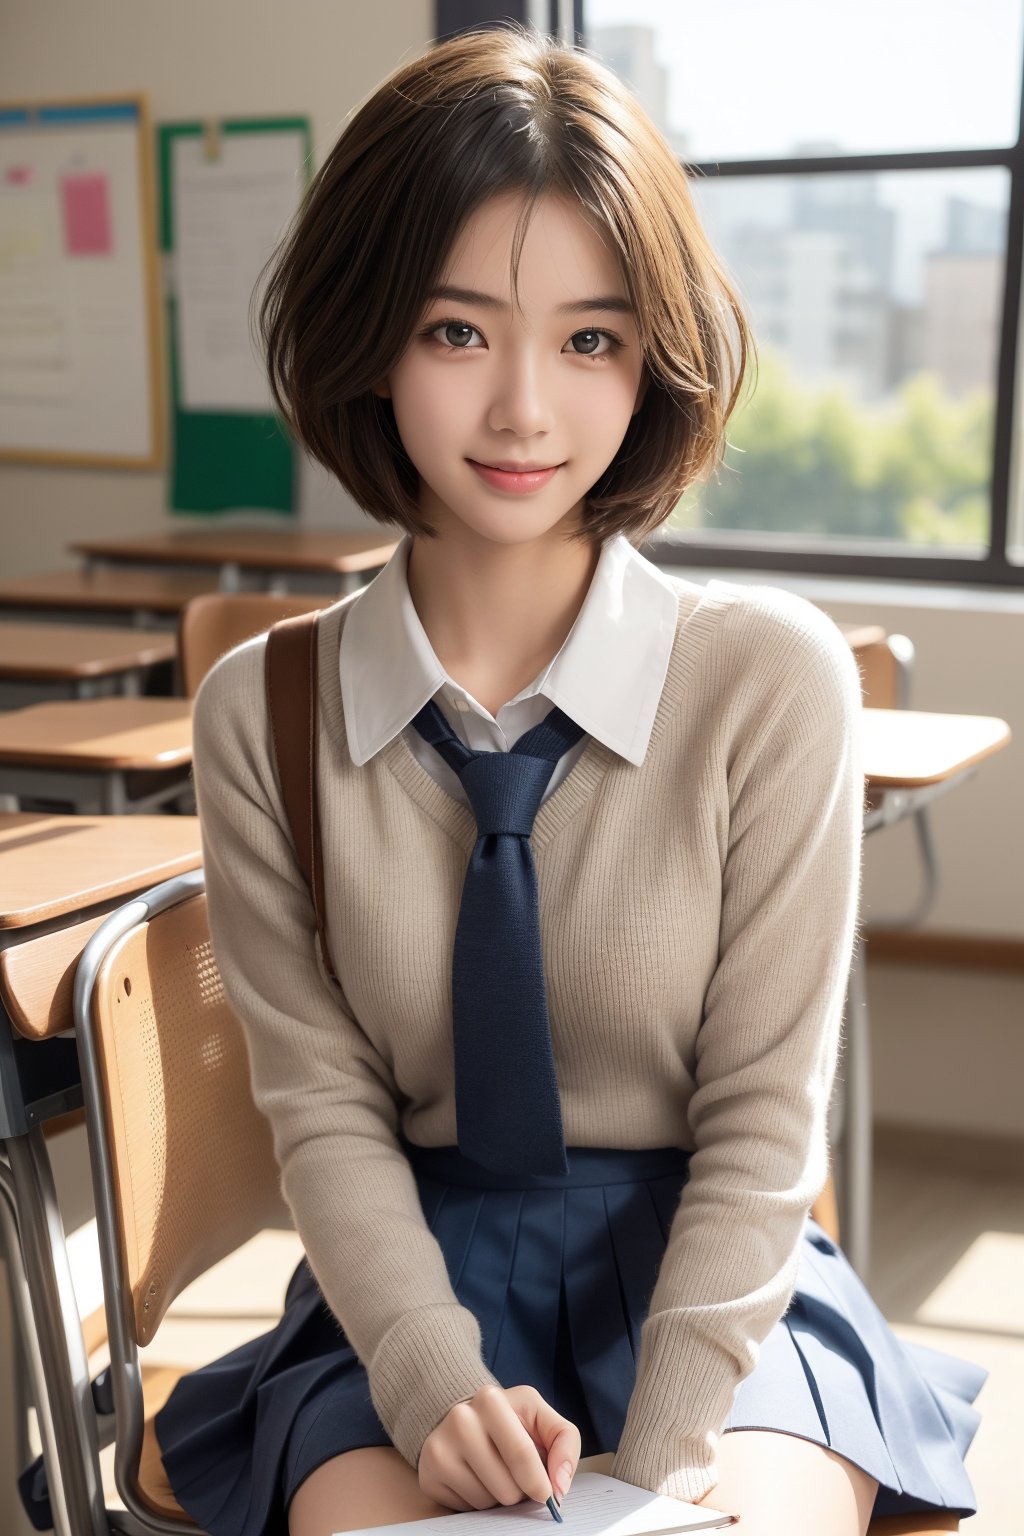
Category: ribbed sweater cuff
<point>429,1360</point>
<point>670,1437</point>
<point>680,1469</point>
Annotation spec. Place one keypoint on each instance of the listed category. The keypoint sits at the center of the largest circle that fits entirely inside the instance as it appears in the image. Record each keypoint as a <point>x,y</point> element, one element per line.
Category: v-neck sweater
<point>698,915</point>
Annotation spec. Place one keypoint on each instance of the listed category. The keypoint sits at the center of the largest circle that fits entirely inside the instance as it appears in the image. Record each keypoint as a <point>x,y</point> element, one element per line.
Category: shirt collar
<point>607,676</point>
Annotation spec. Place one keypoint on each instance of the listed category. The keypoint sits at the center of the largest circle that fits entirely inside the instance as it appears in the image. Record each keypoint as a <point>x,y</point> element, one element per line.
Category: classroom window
<point>860,169</point>
<point>875,300</point>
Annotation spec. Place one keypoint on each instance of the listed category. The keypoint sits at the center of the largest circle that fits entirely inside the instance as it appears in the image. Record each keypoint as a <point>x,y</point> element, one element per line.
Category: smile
<point>514,480</point>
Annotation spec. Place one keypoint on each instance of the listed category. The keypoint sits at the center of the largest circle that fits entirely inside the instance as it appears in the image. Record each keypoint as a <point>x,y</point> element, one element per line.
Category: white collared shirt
<point>607,675</point>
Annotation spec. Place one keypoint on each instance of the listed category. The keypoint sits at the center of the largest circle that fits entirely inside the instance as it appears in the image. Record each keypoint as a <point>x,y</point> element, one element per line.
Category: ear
<point>382,389</point>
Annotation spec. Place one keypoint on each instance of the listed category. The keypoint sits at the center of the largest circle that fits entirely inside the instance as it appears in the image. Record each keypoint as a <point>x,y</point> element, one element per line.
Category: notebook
<point>596,1505</point>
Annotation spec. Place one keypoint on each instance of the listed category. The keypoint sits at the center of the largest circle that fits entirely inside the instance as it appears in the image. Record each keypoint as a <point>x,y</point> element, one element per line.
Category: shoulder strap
<point>291,683</point>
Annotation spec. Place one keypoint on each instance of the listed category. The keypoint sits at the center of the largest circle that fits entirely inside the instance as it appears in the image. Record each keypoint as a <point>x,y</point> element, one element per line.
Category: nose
<point>521,395</point>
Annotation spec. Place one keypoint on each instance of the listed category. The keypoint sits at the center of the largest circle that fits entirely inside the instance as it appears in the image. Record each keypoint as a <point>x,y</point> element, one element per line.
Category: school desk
<point>40,662</point>
<point>348,560</point>
<point>145,599</point>
<point>911,757</point>
<point>59,878</point>
<point>98,755</point>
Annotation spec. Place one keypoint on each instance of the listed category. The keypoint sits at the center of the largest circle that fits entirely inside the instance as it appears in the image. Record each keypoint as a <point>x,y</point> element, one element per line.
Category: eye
<point>452,327</point>
<point>613,343</point>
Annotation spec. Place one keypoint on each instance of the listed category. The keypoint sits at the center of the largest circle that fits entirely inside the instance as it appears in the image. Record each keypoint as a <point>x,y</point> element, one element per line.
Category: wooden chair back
<point>215,622</point>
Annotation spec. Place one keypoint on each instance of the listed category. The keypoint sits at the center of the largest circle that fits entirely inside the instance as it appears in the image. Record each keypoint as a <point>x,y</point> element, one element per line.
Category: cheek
<point>429,409</point>
<point>601,415</point>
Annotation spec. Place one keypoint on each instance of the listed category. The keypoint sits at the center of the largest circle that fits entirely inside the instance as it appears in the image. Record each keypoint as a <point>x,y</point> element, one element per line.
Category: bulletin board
<point>228,189</point>
<point>80,342</point>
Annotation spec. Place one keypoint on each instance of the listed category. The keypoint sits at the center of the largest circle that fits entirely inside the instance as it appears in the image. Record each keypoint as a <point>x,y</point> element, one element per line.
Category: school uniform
<point>698,854</point>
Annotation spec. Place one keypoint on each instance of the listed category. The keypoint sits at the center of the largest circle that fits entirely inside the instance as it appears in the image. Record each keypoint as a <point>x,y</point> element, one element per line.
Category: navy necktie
<point>508,1114</point>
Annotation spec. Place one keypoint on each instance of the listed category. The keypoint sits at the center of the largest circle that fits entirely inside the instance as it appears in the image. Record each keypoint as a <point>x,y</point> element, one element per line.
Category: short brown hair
<point>490,111</point>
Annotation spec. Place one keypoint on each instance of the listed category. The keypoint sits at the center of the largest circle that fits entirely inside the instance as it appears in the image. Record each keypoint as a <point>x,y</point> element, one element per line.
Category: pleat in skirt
<point>559,1271</point>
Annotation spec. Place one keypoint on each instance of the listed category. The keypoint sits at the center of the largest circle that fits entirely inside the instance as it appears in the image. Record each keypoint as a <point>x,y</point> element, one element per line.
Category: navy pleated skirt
<point>559,1275</point>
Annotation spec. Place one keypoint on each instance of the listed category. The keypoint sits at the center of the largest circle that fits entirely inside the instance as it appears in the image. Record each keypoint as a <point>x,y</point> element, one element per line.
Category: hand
<point>499,1446</point>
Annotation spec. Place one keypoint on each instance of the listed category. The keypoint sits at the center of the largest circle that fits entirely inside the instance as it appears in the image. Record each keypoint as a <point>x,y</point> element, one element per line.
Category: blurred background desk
<point>269,559</point>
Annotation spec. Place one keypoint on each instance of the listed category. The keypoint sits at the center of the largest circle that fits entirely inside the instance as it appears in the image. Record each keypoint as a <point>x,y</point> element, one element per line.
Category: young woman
<point>553,1180</point>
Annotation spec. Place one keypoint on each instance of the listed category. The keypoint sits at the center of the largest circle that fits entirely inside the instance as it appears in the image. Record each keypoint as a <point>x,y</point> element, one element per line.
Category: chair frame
<point>72,1429</point>
<point>137,1519</point>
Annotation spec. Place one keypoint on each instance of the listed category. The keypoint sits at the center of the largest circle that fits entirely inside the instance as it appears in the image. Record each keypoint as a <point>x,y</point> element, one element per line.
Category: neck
<point>496,614</point>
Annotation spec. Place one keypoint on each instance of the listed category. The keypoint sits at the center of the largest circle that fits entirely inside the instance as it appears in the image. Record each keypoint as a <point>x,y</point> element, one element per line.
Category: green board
<point>223,460</point>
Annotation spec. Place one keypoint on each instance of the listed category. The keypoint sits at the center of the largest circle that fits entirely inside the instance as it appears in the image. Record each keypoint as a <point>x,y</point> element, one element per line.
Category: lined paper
<point>596,1505</point>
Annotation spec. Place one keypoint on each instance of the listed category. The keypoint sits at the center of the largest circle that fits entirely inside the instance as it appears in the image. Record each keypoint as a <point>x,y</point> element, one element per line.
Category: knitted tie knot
<point>505,790</point>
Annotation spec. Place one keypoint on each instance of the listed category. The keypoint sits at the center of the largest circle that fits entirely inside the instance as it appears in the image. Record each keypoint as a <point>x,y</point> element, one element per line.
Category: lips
<point>512,468</point>
<point>517,480</point>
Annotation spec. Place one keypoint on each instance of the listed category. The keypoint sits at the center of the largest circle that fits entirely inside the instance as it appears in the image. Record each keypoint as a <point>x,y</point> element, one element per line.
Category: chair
<point>149,1007</point>
<point>215,622</point>
<point>165,1082</point>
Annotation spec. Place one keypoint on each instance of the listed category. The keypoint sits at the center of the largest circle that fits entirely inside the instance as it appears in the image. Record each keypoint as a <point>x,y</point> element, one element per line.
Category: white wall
<point>948,1050</point>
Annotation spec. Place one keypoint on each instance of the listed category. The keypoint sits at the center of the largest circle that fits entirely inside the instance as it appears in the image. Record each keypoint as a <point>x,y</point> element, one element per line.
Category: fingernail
<point>564,1477</point>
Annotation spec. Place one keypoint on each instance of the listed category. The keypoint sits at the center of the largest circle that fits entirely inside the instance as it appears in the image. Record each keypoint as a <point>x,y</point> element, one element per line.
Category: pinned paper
<point>85,201</point>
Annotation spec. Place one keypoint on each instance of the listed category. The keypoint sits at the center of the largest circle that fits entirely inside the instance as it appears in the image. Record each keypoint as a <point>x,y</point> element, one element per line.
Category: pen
<point>554,1509</point>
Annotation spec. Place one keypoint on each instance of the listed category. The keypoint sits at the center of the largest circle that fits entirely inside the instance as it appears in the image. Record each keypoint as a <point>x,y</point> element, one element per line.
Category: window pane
<point>875,302</point>
<point>746,79</point>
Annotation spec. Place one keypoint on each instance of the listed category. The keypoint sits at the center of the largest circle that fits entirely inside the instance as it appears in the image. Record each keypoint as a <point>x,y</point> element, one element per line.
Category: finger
<point>447,1496</point>
<point>477,1493</point>
<point>445,1475</point>
<point>483,1475</point>
<point>563,1445</point>
<point>511,1428</point>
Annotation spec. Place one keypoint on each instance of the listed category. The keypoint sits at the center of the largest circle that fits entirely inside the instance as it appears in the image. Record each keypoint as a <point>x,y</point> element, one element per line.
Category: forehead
<point>564,256</point>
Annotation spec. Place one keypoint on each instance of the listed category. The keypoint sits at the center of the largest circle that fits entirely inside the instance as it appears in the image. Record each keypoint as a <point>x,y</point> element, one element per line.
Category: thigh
<point>781,1485</point>
<point>373,1485</point>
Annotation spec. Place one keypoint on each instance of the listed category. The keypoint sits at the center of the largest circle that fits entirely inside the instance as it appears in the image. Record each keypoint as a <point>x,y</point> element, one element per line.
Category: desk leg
<point>29,1353</point>
<point>854,1194</point>
<point>59,1332</point>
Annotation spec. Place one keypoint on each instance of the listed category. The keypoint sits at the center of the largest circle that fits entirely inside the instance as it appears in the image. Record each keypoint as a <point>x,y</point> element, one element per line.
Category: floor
<point>947,1268</point>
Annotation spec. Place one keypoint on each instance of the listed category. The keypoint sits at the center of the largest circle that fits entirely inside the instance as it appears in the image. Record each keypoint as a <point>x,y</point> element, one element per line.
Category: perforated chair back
<point>215,622</point>
<point>183,1164</point>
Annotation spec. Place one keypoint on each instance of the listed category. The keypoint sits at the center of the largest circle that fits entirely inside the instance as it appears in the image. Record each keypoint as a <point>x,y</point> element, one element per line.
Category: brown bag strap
<point>291,682</point>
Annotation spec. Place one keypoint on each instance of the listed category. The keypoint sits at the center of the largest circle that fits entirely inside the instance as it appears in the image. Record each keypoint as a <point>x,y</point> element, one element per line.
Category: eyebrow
<point>608,301</point>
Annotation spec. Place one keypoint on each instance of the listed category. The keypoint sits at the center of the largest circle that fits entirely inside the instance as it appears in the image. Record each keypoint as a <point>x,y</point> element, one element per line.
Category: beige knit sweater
<point>698,915</point>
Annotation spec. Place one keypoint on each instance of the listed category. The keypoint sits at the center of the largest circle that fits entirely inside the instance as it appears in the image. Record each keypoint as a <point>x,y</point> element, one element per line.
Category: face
<point>553,384</point>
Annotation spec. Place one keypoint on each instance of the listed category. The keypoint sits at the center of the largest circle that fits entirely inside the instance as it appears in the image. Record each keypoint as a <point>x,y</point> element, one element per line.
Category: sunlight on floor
<point>984,1289</point>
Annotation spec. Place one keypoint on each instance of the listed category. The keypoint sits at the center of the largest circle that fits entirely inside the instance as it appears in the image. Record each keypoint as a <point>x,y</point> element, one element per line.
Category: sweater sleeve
<point>329,1097</point>
<point>766,1051</point>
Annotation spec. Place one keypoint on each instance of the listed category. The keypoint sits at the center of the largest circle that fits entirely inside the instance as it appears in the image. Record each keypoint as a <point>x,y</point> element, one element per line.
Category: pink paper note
<point>86,205</point>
